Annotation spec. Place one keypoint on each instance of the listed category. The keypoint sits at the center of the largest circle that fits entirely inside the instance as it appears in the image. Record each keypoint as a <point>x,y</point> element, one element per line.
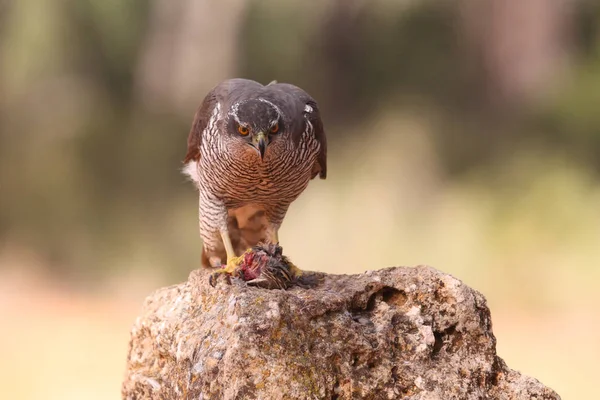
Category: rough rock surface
<point>397,333</point>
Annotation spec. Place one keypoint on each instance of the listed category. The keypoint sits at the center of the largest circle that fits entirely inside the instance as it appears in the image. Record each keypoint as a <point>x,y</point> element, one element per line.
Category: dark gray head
<point>259,116</point>
<point>258,120</point>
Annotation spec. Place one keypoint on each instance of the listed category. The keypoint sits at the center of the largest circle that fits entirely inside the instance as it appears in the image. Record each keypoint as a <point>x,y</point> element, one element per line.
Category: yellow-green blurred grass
<point>529,228</point>
<point>525,233</point>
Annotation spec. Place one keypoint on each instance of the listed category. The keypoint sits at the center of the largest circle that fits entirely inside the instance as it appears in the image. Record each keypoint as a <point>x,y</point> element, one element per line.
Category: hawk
<point>252,150</point>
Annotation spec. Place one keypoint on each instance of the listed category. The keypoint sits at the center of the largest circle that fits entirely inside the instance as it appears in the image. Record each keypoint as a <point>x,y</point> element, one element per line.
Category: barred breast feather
<point>230,174</point>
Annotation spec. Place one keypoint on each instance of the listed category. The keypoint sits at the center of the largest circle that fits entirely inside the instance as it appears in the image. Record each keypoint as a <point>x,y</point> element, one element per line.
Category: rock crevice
<point>412,333</point>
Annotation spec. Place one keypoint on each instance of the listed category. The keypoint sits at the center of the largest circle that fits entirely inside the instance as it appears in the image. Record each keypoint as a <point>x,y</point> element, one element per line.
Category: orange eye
<point>275,128</point>
<point>243,130</point>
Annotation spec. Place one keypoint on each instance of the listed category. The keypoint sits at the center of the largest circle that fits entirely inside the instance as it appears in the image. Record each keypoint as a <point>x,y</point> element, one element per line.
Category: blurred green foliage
<point>89,171</point>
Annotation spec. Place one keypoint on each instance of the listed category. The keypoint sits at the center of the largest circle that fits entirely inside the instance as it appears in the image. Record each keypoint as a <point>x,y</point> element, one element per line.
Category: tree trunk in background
<point>190,47</point>
<point>517,45</point>
<point>340,33</point>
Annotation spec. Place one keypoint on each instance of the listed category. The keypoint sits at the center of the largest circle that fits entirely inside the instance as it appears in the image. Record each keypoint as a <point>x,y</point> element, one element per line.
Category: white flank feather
<point>191,170</point>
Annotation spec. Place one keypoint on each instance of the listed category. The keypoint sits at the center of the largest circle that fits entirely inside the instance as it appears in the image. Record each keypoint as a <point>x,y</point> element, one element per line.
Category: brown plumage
<point>251,152</point>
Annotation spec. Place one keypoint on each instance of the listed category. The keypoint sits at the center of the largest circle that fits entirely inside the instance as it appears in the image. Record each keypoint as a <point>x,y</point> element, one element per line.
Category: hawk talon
<point>296,272</point>
<point>264,266</point>
<point>213,278</point>
<point>228,270</point>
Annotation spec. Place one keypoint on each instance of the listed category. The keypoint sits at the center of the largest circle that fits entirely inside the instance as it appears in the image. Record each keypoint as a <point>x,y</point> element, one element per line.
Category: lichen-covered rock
<point>397,333</point>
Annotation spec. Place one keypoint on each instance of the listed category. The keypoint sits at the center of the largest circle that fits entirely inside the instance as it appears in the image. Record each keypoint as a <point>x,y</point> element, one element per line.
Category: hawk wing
<point>200,121</point>
<point>314,117</point>
<point>304,103</point>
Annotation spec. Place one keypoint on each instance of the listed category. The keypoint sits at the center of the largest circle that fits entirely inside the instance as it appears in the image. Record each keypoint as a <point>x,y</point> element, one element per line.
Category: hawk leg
<point>232,260</point>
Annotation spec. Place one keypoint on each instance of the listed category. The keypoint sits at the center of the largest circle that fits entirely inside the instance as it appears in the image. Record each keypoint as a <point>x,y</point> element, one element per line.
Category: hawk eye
<point>275,128</point>
<point>243,130</point>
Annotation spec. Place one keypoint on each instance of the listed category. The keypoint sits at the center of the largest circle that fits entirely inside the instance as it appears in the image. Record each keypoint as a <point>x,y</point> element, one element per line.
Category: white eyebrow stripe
<point>234,110</point>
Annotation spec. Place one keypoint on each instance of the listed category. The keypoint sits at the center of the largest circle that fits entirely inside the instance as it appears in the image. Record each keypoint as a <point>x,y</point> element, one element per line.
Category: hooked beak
<point>260,142</point>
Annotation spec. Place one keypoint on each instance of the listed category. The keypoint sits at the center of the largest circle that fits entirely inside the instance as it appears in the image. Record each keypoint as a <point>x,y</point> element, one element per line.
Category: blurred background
<point>462,134</point>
